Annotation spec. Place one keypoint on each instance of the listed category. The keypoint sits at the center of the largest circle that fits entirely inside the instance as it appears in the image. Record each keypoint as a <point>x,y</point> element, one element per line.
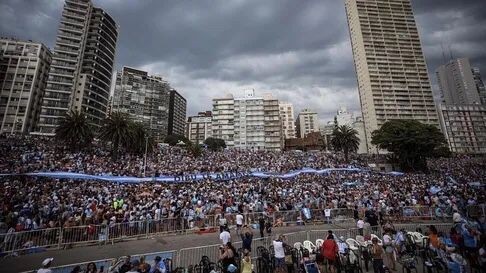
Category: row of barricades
<point>55,238</point>
<point>187,257</point>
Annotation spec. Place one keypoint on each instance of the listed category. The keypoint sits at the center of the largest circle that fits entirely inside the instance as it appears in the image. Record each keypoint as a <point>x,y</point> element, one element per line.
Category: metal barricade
<point>84,235</point>
<point>192,256</point>
<point>294,237</point>
<point>417,213</point>
<point>127,230</point>
<point>26,242</point>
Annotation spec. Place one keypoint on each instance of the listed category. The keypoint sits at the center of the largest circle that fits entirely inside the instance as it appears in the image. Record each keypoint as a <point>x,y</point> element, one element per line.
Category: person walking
<point>246,238</point>
<point>389,249</point>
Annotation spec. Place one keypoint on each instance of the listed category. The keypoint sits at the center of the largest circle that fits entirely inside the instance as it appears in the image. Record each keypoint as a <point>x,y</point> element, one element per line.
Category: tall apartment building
<point>464,127</point>
<point>392,76</point>
<point>198,128</point>
<point>456,83</point>
<point>479,84</point>
<point>24,67</point>
<point>248,122</point>
<point>82,65</point>
<point>462,117</point>
<point>287,118</point>
<point>307,122</point>
<point>223,123</point>
<point>177,113</point>
<point>145,98</point>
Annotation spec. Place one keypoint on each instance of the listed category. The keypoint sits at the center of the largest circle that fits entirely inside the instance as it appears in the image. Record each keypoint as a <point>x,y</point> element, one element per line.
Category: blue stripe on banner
<point>186,178</point>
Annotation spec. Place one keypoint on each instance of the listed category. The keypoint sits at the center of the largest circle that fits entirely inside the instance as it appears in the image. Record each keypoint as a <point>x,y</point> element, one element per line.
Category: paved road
<point>153,244</point>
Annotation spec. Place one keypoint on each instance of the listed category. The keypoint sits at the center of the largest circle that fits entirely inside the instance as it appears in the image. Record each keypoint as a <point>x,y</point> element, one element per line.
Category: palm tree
<point>140,138</point>
<point>117,129</point>
<point>345,138</point>
<point>75,130</point>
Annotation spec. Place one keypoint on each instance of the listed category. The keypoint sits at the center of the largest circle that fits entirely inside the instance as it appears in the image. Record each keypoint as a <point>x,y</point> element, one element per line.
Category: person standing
<point>247,238</point>
<point>225,236</point>
<point>261,225</point>
<point>360,224</point>
<point>330,251</point>
<point>239,223</point>
<point>279,249</point>
<point>246,266</point>
<point>389,249</point>
<point>159,266</point>
<point>377,255</point>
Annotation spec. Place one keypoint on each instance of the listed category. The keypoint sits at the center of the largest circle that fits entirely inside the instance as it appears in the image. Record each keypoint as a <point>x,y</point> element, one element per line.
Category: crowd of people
<point>34,203</point>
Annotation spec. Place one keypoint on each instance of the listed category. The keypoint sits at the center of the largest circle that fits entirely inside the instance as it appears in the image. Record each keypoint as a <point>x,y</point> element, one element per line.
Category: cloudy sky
<point>297,50</point>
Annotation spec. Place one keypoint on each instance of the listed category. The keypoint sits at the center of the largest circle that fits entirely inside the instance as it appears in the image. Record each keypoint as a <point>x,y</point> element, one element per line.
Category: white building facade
<point>307,122</point>
<point>248,122</point>
<point>198,128</point>
<point>287,117</point>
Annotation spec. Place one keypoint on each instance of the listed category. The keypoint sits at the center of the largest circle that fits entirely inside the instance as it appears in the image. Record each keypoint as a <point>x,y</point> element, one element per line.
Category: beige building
<point>24,67</point>
<point>464,127</point>
<point>307,122</point>
<point>82,65</point>
<point>248,122</point>
<point>198,128</point>
<point>287,117</point>
<point>392,76</point>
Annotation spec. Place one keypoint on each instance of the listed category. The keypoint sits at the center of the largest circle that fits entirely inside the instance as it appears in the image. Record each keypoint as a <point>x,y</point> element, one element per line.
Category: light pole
<point>145,156</point>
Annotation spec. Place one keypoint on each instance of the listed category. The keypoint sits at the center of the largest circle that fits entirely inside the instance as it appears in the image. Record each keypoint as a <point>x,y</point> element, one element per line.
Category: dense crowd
<point>34,203</point>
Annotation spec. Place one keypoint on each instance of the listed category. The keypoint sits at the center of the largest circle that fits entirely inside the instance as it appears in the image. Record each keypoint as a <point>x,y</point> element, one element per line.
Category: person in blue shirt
<point>159,266</point>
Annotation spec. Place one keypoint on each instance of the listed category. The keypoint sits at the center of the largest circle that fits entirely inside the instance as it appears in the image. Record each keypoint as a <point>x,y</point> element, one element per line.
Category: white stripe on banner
<point>186,178</point>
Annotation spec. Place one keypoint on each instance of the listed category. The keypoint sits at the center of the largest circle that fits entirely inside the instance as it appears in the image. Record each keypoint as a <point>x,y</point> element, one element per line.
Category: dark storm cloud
<point>297,50</point>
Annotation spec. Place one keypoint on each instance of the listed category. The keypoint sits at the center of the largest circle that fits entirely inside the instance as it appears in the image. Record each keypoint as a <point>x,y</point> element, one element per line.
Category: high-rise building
<point>248,122</point>
<point>358,125</point>
<point>307,122</point>
<point>198,128</point>
<point>223,123</point>
<point>177,113</point>
<point>82,65</point>
<point>24,66</point>
<point>343,117</point>
<point>479,84</point>
<point>145,98</point>
<point>456,83</point>
<point>392,76</point>
<point>462,117</point>
<point>287,118</point>
<point>464,127</point>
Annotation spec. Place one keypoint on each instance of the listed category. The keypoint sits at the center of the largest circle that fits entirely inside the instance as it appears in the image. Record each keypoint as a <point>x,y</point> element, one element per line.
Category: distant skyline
<point>297,50</point>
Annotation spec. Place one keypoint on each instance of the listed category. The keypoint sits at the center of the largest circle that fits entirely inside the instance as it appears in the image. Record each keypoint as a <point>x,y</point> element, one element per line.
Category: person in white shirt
<point>225,236</point>
<point>45,266</point>
<point>327,214</point>
<point>360,225</point>
<point>342,245</point>
<point>389,249</point>
<point>239,223</point>
<point>279,249</point>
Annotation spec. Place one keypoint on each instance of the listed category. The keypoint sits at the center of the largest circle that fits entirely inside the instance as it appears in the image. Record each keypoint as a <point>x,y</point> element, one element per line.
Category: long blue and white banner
<point>191,177</point>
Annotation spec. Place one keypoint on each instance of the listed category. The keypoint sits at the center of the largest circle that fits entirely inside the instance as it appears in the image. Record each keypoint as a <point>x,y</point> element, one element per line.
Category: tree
<point>173,140</point>
<point>75,130</point>
<point>117,129</point>
<point>194,149</point>
<point>411,142</point>
<point>345,138</point>
<point>140,139</point>
<point>215,144</point>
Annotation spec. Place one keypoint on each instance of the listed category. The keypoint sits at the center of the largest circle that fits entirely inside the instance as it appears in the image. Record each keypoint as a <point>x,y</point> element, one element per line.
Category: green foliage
<point>345,139</point>
<point>174,140</point>
<point>195,149</point>
<point>215,144</point>
<point>75,130</point>
<point>411,142</point>
<point>117,129</point>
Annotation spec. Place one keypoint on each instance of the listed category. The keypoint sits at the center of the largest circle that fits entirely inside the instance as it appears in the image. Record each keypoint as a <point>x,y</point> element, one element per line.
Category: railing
<point>187,257</point>
<point>38,240</point>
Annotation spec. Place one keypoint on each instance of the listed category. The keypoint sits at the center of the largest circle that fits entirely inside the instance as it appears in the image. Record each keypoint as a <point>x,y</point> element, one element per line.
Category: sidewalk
<point>152,244</point>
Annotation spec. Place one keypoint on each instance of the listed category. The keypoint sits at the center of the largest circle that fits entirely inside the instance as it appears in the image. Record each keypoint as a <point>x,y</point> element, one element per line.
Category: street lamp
<point>145,156</point>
